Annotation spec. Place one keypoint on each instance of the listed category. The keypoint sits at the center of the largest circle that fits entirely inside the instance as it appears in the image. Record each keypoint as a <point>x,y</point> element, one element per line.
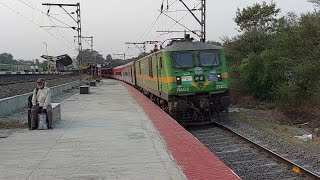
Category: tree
<point>216,43</point>
<point>109,58</point>
<point>259,16</point>
<point>6,58</point>
<point>315,2</point>
<point>91,57</point>
<point>41,64</point>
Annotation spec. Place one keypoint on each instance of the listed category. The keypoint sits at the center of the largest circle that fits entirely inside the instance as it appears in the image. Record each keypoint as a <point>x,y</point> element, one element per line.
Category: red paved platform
<point>196,160</point>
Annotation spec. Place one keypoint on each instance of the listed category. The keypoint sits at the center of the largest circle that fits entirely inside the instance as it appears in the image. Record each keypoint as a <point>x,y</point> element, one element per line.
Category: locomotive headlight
<point>179,81</point>
<point>197,78</point>
<point>220,77</point>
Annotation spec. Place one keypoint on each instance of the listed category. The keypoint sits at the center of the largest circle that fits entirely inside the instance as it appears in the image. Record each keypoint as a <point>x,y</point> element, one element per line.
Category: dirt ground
<point>275,123</point>
<point>268,117</point>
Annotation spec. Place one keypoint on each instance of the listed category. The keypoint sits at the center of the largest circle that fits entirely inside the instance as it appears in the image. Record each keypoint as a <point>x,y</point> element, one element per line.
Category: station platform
<point>112,133</point>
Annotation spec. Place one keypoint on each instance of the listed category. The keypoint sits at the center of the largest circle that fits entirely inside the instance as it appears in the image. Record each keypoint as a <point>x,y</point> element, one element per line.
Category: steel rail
<point>295,167</point>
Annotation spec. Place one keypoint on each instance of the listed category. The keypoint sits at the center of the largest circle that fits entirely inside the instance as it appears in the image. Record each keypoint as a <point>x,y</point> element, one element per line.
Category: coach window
<point>150,67</point>
<point>160,62</point>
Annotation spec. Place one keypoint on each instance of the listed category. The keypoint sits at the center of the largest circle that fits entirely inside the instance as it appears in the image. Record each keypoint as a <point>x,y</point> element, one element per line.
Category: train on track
<point>189,80</point>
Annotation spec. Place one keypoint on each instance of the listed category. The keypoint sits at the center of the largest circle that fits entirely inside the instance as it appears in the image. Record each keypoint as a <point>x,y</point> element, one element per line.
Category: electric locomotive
<point>189,80</point>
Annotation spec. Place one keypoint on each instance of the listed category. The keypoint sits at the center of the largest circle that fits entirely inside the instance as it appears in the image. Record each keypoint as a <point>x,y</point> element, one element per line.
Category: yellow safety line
<point>161,79</point>
<point>195,85</point>
<point>205,85</point>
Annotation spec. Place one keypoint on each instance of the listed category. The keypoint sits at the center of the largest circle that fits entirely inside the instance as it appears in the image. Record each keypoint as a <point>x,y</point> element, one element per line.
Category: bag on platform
<point>42,121</point>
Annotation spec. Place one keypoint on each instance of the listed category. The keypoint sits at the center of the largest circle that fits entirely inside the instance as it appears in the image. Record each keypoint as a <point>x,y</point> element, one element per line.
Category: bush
<point>282,66</point>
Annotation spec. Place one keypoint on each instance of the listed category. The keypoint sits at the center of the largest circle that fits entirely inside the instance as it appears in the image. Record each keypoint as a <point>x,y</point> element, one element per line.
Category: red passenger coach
<point>107,72</point>
<point>128,73</point>
<point>125,73</point>
<point>117,72</point>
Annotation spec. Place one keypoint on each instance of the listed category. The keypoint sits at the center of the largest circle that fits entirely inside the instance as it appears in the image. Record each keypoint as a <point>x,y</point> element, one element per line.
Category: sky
<point>112,23</point>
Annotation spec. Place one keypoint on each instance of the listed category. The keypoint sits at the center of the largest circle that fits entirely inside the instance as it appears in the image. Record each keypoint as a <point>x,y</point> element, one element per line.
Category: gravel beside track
<point>16,78</point>
<point>304,154</point>
<point>244,160</point>
<point>27,83</point>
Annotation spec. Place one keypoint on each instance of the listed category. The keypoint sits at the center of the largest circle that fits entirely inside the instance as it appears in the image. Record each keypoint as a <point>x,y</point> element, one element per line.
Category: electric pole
<point>48,58</point>
<point>78,21</point>
<point>202,21</point>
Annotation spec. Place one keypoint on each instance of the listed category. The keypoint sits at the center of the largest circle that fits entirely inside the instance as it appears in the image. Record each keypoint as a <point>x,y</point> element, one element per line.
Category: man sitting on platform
<point>41,100</point>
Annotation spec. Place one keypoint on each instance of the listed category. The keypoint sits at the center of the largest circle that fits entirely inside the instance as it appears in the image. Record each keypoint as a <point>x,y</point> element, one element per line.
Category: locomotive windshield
<point>209,58</point>
<point>183,60</point>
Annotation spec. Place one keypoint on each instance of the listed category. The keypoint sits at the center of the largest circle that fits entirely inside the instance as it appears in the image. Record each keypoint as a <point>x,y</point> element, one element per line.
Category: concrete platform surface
<point>102,135</point>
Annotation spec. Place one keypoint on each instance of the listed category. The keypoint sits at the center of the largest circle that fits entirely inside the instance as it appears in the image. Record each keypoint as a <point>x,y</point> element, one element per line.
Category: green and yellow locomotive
<point>189,80</point>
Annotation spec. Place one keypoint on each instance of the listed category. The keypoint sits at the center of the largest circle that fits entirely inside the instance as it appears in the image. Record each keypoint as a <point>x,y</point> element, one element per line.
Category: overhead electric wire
<point>180,24</point>
<point>150,28</point>
<point>146,33</point>
<point>126,50</point>
<point>134,50</point>
<point>179,20</point>
<point>86,41</point>
<point>35,8</point>
<point>49,17</point>
<point>61,34</point>
<point>32,6</point>
<point>34,23</point>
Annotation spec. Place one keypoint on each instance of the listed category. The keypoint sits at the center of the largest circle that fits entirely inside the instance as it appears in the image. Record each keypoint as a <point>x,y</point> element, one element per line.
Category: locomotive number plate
<point>221,86</point>
<point>183,89</point>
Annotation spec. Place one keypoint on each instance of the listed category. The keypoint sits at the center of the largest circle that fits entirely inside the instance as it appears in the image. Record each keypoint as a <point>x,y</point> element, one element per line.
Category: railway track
<point>16,79</point>
<point>246,158</point>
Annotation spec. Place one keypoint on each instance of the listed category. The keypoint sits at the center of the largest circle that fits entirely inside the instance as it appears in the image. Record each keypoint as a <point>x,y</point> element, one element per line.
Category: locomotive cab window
<point>182,60</point>
<point>209,58</point>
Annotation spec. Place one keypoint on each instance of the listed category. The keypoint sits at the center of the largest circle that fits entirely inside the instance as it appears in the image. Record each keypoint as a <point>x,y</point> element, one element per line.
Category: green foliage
<point>282,66</point>
<point>6,58</point>
<point>253,41</point>
<point>117,62</point>
<point>259,16</point>
<point>216,43</point>
<point>43,64</point>
<point>109,58</point>
<point>315,2</point>
<point>90,57</point>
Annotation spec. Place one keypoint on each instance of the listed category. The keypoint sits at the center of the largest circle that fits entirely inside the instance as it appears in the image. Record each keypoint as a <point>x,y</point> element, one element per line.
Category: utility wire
<point>36,9</point>
<point>150,28</point>
<point>49,17</point>
<point>126,50</point>
<point>179,20</point>
<point>181,24</point>
<point>86,41</point>
<point>61,34</point>
<point>34,24</point>
<point>146,33</point>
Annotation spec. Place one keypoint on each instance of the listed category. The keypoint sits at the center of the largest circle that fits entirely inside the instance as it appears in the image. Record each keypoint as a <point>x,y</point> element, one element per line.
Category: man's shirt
<point>42,97</point>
